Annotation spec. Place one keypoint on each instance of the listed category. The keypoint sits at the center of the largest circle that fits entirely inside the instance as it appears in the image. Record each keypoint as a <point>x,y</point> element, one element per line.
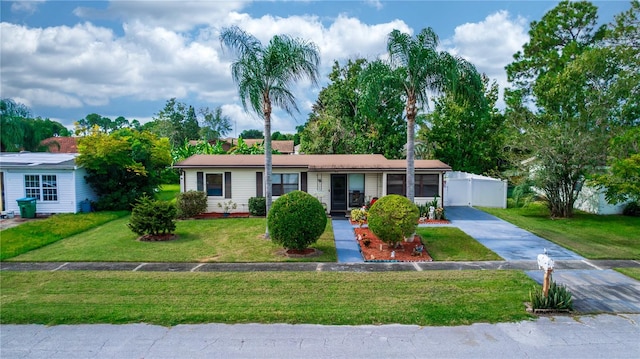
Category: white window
<point>42,187</point>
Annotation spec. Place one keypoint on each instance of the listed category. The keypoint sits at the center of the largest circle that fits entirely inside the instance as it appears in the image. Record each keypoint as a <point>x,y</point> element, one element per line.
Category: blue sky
<point>67,59</point>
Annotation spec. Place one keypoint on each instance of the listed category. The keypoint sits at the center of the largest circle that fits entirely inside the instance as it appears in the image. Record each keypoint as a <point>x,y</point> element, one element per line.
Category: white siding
<point>83,190</point>
<point>14,189</point>
<point>372,186</point>
<point>592,200</point>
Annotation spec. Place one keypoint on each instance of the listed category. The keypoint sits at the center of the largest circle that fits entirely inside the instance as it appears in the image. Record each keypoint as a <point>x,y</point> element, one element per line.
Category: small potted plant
<point>439,213</point>
<point>227,207</point>
<point>359,215</point>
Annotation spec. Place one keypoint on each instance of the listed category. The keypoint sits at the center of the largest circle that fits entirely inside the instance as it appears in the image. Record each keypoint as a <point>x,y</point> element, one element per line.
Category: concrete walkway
<point>602,336</point>
<point>346,245</point>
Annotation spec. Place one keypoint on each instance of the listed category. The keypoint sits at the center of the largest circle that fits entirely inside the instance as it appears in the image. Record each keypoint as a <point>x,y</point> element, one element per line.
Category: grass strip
<point>204,240</point>
<point>41,232</point>
<point>590,235</point>
<point>331,298</point>
<point>630,272</point>
<point>452,244</point>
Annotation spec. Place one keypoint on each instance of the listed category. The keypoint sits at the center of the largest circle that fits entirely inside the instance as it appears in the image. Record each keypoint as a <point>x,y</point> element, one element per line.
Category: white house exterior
<point>340,182</point>
<point>54,179</point>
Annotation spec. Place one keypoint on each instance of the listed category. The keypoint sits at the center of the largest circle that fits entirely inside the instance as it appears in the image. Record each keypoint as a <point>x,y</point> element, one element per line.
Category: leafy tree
<point>264,75</point>
<point>353,115</point>
<point>186,150</point>
<point>467,132</point>
<point>214,124</point>
<point>123,166</point>
<point>177,121</point>
<point>20,131</point>
<point>622,181</point>
<point>417,67</point>
<point>277,136</point>
<point>104,124</point>
<point>577,82</point>
<point>252,134</point>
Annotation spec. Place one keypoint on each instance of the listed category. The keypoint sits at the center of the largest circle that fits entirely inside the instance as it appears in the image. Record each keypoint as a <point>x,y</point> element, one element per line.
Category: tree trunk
<point>411,121</point>
<point>267,157</point>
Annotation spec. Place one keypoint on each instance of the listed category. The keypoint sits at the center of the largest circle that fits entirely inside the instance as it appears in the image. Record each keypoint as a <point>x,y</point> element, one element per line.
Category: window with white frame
<point>41,187</point>
<point>283,183</point>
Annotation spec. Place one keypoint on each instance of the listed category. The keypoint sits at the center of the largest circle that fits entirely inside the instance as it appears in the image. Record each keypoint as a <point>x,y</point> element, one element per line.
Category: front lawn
<point>452,244</point>
<point>590,235</point>
<point>332,298</point>
<point>41,232</point>
<point>630,272</point>
<point>210,240</point>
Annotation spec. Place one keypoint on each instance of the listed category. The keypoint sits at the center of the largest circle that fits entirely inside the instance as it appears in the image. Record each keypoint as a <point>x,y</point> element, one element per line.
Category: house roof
<point>39,160</point>
<point>317,163</point>
<point>61,144</point>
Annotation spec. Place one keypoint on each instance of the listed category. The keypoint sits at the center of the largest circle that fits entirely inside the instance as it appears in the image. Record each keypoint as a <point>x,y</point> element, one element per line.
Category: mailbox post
<point>545,263</point>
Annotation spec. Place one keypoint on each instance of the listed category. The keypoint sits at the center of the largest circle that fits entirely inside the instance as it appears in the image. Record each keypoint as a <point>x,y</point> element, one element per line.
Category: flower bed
<point>421,221</point>
<point>379,251</point>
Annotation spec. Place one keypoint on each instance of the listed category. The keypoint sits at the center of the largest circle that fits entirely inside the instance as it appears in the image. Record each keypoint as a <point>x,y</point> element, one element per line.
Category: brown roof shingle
<point>316,163</point>
<point>61,144</point>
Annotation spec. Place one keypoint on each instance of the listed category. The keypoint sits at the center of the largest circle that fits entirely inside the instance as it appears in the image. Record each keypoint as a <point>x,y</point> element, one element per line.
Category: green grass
<point>335,298</point>
<point>168,192</point>
<point>452,244</point>
<point>590,235</point>
<point>630,272</point>
<point>39,233</point>
<point>211,240</point>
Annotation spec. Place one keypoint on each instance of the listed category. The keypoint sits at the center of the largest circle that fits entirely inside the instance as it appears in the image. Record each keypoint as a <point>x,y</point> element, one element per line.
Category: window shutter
<point>227,185</point>
<point>200,179</point>
<point>259,185</point>
<point>303,181</point>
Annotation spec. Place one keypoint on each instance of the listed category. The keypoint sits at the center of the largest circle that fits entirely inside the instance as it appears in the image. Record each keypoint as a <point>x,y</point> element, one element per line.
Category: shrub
<point>296,220</point>
<point>258,206</point>
<point>191,203</point>
<point>150,217</point>
<point>359,215</point>
<point>523,194</point>
<point>558,298</point>
<point>632,209</point>
<point>392,218</point>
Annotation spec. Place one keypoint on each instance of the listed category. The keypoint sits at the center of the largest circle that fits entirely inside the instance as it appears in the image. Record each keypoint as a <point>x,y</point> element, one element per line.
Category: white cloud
<point>26,6</point>
<point>171,15</point>
<point>375,4</point>
<point>490,44</point>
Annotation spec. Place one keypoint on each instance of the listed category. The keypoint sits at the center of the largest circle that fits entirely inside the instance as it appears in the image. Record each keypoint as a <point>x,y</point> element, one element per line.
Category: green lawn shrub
<point>191,203</point>
<point>258,206</point>
<point>154,218</point>
<point>296,220</point>
<point>392,218</point>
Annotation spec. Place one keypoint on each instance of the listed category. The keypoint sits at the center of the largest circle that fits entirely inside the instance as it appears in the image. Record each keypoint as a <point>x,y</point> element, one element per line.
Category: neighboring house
<point>340,182</point>
<point>53,179</point>
<point>61,144</point>
<point>591,199</point>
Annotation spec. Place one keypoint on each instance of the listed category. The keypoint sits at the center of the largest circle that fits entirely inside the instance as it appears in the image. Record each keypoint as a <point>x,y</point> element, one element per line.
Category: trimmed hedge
<point>191,203</point>
<point>258,206</point>
<point>392,218</point>
<point>150,217</point>
<point>296,220</point>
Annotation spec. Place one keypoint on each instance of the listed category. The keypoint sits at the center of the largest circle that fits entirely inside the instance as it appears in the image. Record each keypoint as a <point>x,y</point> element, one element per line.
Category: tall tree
<point>355,115</point>
<point>572,77</point>
<point>215,125</point>
<point>467,132</point>
<point>177,121</point>
<point>20,131</point>
<point>251,134</point>
<point>265,74</point>
<point>421,68</point>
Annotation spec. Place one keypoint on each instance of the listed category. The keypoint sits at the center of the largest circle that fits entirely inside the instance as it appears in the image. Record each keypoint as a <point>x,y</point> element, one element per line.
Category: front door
<point>339,192</point>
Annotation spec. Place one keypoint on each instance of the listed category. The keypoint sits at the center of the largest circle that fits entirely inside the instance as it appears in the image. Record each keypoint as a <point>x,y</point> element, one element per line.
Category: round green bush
<point>296,220</point>
<point>392,218</point>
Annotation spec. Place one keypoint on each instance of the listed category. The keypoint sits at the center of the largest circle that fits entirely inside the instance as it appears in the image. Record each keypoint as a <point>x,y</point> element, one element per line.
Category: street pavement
<point>601,336</point>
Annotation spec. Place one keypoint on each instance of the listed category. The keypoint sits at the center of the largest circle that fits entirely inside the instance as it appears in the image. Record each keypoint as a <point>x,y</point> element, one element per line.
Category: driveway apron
<point>505,239</point>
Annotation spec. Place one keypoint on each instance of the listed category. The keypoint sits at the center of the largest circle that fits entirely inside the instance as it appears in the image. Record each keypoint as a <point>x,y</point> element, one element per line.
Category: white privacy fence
<point>467,189</point>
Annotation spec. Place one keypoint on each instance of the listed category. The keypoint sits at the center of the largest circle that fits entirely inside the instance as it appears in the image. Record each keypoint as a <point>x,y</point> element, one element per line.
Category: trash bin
<point>27,207</point>
<point>85,206</point>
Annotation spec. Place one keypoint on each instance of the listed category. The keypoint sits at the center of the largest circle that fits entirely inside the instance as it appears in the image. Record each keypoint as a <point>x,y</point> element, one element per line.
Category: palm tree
<point>422,68</point>
<point>264,75</point>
